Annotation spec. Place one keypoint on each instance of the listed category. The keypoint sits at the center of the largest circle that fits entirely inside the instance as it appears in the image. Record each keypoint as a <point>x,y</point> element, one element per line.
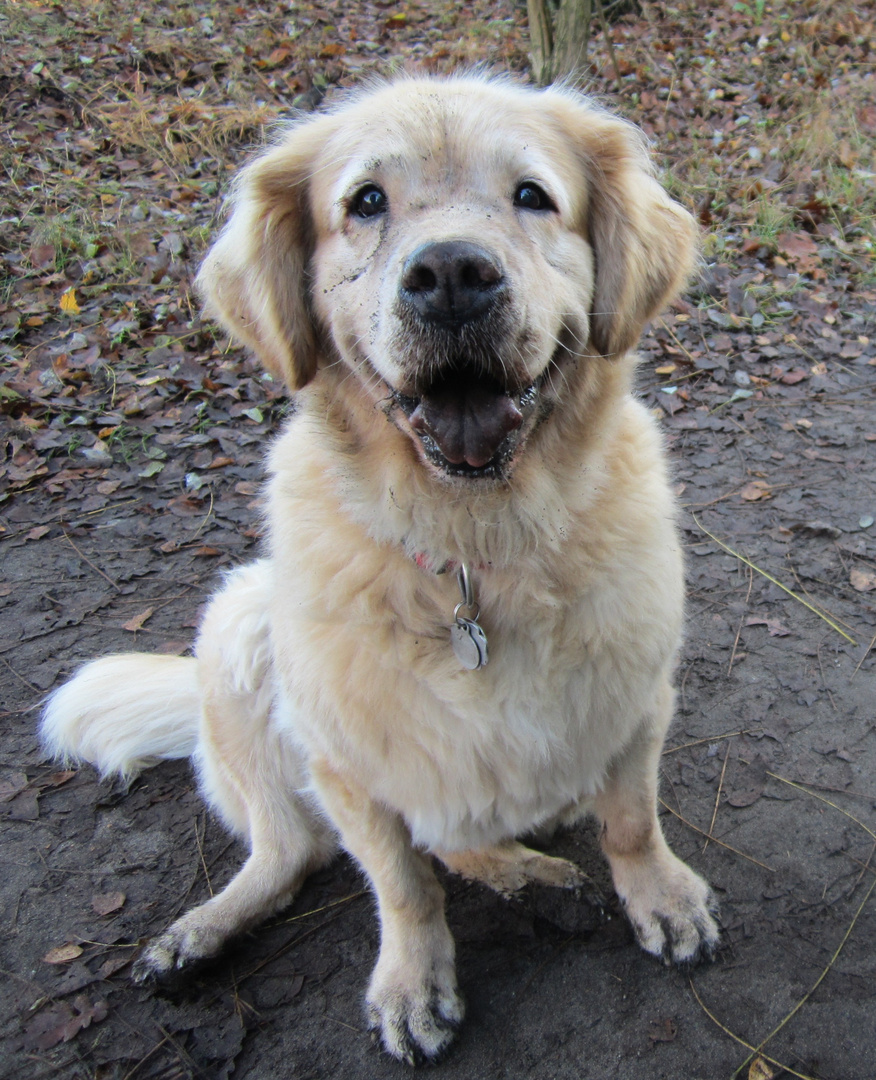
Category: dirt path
<point>133,446</point>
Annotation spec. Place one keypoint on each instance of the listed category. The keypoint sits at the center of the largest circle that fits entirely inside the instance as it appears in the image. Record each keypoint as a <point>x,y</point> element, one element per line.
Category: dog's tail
<point>124,713</point>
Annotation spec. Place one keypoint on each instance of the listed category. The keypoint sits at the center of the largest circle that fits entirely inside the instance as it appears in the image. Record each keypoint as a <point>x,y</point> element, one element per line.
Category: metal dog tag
<point>469,643</point>
<point>467,635</point>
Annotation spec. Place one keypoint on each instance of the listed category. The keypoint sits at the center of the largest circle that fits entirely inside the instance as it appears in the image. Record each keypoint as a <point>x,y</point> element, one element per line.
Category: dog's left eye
<point>369,201</point>
<point>529,196</point>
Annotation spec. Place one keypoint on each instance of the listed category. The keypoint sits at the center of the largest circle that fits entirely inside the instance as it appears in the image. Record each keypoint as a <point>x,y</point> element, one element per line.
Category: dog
<point>465,625</point>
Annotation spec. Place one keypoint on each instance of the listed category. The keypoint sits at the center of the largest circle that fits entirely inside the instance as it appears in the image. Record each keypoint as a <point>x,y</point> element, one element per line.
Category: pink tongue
<point>468,422</point>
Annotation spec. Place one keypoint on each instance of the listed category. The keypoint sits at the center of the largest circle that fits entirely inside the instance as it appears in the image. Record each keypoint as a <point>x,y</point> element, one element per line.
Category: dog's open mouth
<point>469,425</point>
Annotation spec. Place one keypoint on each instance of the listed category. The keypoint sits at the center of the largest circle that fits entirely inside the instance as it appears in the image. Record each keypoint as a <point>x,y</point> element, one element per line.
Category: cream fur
<point>331,703</point>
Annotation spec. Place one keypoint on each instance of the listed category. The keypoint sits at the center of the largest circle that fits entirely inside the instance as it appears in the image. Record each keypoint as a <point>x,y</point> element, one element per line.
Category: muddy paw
<point>184,943</point>
<point>676,919</point>
<point>415,1026</point>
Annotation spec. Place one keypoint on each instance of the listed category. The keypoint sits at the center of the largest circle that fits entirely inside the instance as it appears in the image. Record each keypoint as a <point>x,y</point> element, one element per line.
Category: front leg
<point>671,908</point>
<point>412,1000</point>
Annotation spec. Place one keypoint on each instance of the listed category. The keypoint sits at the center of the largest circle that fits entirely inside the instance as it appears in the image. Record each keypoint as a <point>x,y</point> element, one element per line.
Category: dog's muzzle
<point>463,404</point>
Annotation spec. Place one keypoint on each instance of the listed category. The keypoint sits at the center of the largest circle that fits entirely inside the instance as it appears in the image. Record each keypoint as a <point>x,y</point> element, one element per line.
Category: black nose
<point>451,282</point>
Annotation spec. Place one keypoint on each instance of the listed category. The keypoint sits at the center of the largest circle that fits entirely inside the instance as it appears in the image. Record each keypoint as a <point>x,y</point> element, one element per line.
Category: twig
<point>864,657</point>
<point>815,985</point>
<point>736,1038</point>
<point>201,854</point>
<point>806,592</point>
<point>814,795</point>
<point>741,621</point>
<point>769,577</point>
<point>600,11</point>
<point>20,678</point>
<point>85,558</point>
<point>824,680</point>
<point>711,739</point>
<point>325,907</point>
<point>702,832</point>
<point>358,1031</point>
<point>717,797</point>
<point>144,1059</point>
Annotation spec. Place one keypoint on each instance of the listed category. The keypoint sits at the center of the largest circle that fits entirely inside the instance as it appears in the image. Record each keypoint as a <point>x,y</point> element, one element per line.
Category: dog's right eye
<point>369,201</point>
<point>529,196</point>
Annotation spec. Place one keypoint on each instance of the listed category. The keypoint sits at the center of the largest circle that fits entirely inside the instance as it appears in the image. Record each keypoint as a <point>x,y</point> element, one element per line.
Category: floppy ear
<point>254,279</point>
<point>644,243</point>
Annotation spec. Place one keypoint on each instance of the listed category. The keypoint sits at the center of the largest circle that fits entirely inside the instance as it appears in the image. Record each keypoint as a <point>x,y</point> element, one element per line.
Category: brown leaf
<point>61,1023</point>
<point>115,963</point>
<point>755,491</point>
<point>25,806</point>
<point>747,783</point>
<point>136,623</point>
<point>12,786</point>
<point>56,779</point>
<point>775,628</point>
<point>796,246</point>
<point>761,1070</point>
<point>63,954</point>
<point>43,256</point>
<point>863,580</point>
<point>106,903</point>
<point>662,1031</point>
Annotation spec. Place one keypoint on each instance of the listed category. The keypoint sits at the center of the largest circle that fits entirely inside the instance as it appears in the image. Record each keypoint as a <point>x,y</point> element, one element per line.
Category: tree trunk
<point>558,38</point>
<point>540,41</point>
<point>571,37</point>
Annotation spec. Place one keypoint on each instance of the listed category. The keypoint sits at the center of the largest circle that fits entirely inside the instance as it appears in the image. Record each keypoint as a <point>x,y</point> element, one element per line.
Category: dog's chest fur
<point>582,623</point>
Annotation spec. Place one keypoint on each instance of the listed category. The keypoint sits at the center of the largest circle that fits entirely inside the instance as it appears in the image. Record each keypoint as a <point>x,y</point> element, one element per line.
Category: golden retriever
<point>467,619</point>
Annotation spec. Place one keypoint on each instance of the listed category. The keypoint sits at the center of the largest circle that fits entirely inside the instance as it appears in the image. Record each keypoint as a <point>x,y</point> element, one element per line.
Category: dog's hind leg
<point>252,775</point>
<point>508,867</point>
<point>288,841</point>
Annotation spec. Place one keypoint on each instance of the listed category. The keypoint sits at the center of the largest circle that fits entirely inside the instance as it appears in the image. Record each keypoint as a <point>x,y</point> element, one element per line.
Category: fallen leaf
<point>756,490</point>
<point>662,1031</point>
<point>56,779</point>
<point>761,1070</point>
<point>796,245</point>
<point>25,806</point>
<point>775,628</point>
<point>61,1022</point>
<point>63,954</point>
<point>817,528</point>
<point>115,963</point>
<point>69,304</point>
<point>863,580</point>
<point>136,623</point>
<point>12,786</point>
<point>747,783</point>
<point>106,903</point>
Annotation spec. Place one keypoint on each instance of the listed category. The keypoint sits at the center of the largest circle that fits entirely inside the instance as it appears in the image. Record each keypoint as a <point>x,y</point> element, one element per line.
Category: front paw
<point>674,915</point>
<point>187,941</point>
<point>415,1023</point>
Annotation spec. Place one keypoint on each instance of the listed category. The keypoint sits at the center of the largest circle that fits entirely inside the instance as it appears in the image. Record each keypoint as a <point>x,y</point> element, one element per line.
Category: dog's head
<point>461,245</point>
